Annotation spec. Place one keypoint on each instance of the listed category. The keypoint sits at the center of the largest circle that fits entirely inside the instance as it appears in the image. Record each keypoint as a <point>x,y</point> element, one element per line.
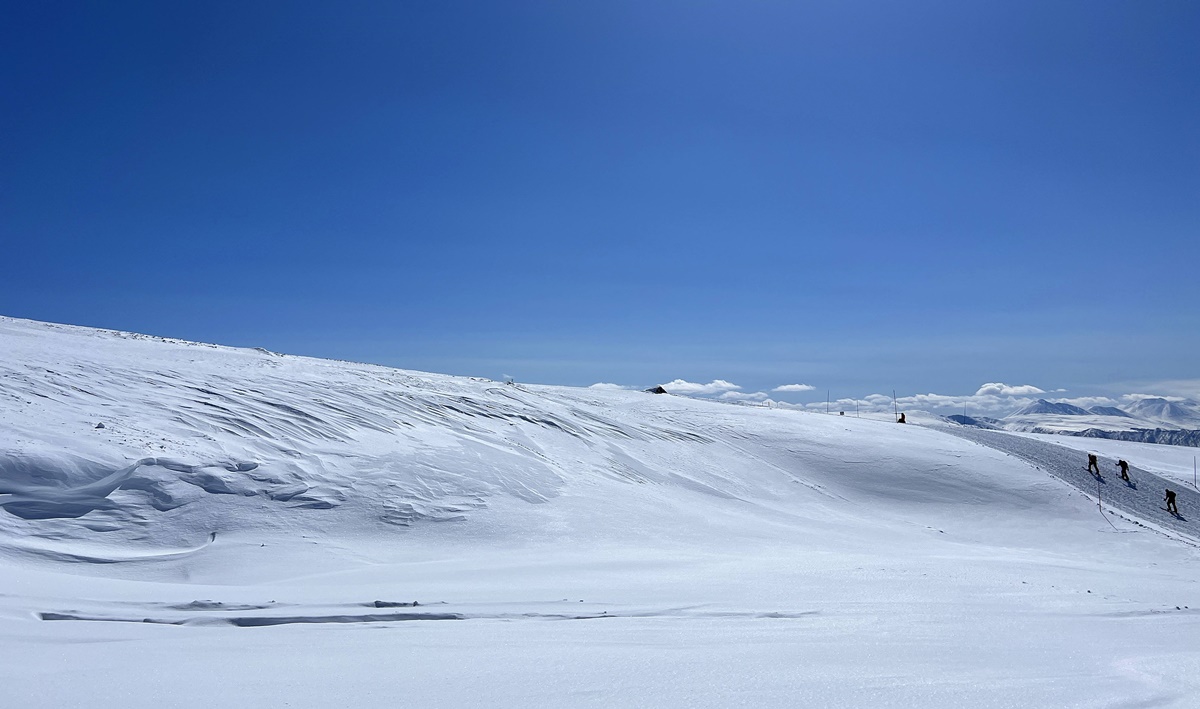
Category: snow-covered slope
<point>269,522</point>
<point>128,441</point>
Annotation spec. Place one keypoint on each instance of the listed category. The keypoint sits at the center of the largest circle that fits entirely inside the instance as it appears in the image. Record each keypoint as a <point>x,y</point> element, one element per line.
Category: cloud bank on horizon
<point>716,386</point>
<point>999,389</point>
<point>991,398</point>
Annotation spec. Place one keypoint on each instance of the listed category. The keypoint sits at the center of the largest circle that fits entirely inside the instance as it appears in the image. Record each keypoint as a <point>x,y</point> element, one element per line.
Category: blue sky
<point>858,196</point>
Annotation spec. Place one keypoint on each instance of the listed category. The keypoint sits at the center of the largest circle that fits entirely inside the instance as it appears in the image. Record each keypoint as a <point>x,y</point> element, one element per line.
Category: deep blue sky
<point>863,196</point>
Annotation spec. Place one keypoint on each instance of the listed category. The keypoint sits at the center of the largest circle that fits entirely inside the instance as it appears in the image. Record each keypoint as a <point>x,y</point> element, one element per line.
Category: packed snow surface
<point>187,525</point>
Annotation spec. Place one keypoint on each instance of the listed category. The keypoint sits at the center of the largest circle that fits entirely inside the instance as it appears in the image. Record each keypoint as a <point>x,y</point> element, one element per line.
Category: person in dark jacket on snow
<point>1170,500</point>
<point>1093,466</point>
<point>1124,470</point>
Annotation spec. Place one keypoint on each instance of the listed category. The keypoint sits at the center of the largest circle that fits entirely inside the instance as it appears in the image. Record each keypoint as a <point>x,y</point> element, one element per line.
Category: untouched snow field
<point>187,525</point>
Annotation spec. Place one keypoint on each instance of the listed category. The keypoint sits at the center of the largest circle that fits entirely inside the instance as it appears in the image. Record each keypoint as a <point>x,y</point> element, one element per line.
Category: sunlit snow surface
<point>197,526</point>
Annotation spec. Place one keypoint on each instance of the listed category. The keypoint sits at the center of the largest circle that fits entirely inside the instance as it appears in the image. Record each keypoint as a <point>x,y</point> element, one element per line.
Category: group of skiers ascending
<point>1094,468</point>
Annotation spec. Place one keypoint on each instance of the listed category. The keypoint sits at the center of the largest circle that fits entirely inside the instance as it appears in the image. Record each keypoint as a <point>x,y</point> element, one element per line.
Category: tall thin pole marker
<point>1101,507</point>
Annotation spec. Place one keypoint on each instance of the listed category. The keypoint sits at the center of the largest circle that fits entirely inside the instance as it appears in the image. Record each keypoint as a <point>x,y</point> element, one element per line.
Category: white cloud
<point>716,386</point>
<point>1189,388</point>
<point>944,401</point>
<point>608,386</point>
<point>794,387</point>
<point>1140,397</point>
<point>992,399</point>
<point>987,404</point>
<point>743,396</point>
<point>999,389</point>
<point>1087,402</point>
<point>848,405</point>
<point>786,405</point>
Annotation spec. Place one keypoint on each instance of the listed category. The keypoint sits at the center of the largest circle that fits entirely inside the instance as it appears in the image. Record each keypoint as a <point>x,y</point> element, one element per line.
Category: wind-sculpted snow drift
<point>138,437</point>
<point>64,487</point>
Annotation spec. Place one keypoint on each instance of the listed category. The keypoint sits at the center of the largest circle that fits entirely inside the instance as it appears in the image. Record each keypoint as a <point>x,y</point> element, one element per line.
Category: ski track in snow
<point>1141,497</point>
<point>267,615</point>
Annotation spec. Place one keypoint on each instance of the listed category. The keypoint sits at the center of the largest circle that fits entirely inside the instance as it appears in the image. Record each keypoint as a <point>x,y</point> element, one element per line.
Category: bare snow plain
<point>187,525</point>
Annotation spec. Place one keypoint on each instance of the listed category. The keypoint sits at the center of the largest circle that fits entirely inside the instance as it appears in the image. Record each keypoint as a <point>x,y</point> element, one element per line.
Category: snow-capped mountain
<point>1109,411</point>
<point>1044,416</point>
<point>184,524</point>
<point>1144,420</point>
<point>1179,414</point>
<point>1041,406</point>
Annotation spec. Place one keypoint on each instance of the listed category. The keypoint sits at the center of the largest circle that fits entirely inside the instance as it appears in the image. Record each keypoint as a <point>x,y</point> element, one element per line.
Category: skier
<point>1124,470</point>
<point>1093,466</point>
<point>901,419</point>
<point>1170,500</point>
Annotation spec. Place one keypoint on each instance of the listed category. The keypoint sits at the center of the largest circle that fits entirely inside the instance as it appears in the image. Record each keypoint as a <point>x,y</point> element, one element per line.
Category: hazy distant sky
<point>855,196</point>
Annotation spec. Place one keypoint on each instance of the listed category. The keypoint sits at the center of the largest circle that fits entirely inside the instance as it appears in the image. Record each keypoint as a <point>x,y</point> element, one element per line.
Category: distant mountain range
<point>1041,406</point>
<point>1152,420</point>
<point>1184,413</point>
<point>1154,412</point>
<point>1109,411</point>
